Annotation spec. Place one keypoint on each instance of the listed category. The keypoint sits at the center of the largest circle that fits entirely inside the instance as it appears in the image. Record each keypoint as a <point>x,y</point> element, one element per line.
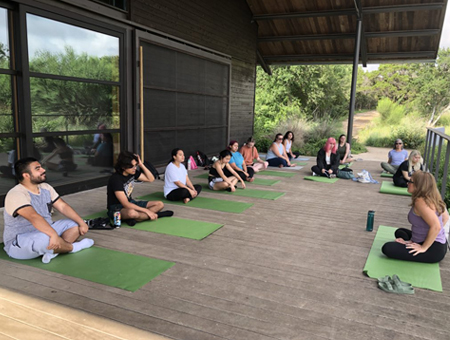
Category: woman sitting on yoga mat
<point>276,155</point>
<point>65,154</point>
<point>425,242</point>
<point>177,185</point>
<point>222,176</point>
<point>395,157</point>
<point>407,168</point>
<point>343,150</point>
<point>327,160</point>
<point>288,140</point>
<point>249,152</point>
<point>238,164</point>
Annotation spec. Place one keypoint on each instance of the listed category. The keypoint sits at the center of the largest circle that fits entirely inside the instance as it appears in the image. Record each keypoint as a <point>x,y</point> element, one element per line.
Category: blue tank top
<point>271,155</point>
<point>420,228</point>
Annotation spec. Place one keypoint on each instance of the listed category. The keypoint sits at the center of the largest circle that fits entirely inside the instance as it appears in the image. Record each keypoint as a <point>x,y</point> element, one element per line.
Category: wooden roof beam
<point>349,57</point>
<point>386,34</point>
<point>341,12</point>
<point>263,63</point>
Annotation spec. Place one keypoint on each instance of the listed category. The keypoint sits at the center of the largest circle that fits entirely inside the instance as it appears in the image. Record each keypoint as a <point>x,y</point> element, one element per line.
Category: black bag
<point>201,159</point>
<point>152,169</point>
<point>99,223</point>
<point>345,173</point>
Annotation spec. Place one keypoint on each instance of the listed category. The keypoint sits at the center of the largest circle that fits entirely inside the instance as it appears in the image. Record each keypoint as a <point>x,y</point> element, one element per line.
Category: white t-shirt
<point>174,174</point>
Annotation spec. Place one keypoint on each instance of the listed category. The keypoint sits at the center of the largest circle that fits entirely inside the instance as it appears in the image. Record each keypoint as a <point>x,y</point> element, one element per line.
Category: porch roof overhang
<point>324,32</point>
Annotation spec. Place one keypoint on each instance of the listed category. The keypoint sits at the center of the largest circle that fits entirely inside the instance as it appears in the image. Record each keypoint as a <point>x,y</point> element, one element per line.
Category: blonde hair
<point>416,167</point>
<point>426,188</point>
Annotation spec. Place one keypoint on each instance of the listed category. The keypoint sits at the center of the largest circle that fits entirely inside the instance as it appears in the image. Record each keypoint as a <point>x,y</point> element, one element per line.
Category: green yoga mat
<point>277,173</point>
<point>422,275</point>
<point>257,181</point>
<point>101,265</point>
<point>390,188</point>
<point>255,193</point>
<point>196,230</point>
<point>321,179</point>
<point>342,166</point>
<point>203,203</point>
<point>386,174</point>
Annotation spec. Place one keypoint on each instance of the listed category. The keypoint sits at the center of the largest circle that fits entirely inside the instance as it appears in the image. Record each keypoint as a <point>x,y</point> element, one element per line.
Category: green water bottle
<point>370,217</point>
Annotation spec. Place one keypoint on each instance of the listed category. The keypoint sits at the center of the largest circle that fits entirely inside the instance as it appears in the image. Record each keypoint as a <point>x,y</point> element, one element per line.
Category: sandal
<point>390,286</point>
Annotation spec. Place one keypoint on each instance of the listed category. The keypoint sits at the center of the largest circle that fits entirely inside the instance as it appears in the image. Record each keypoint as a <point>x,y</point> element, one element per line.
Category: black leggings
<point>318,171</point>
<point>241,174</point>
<point>398,251</point>
<point>400,182</point>
<point>182,193</point>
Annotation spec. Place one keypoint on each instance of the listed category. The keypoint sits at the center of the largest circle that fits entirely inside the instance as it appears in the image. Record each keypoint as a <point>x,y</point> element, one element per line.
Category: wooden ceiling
<point>324,31</point>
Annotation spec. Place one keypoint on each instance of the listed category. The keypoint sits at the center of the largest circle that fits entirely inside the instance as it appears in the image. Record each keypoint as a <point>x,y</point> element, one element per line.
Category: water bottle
<point>189,164</point>
<point>370,217</point>
<point>117,219</point>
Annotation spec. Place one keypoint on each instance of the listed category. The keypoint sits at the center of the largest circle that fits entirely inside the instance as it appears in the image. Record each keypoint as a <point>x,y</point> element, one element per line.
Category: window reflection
<point>62,49</point>
<point>8,156</point>
<point>6,119</point>
<point>4,41</point>
<point>59,105</point>
<point>74,158</point>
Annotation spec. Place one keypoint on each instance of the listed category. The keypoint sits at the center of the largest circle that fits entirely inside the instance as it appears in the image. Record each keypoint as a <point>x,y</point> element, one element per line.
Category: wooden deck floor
<point>284,269</point>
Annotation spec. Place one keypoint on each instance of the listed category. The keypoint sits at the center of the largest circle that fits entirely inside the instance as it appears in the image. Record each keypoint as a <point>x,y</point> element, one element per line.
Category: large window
<point>60,89</point>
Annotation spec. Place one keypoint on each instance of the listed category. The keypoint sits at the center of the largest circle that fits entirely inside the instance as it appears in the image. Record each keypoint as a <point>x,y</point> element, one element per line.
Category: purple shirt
<point>397,157</point>
<point>420,228</point>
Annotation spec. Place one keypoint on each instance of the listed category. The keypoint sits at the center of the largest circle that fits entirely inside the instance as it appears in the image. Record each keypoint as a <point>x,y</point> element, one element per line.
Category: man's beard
<point>38,180</point>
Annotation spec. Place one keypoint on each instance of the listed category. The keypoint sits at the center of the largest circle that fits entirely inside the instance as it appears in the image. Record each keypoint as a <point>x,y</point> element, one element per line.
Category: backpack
<point>201,159</point>
<point>345,173</point>
<point>152,169</point>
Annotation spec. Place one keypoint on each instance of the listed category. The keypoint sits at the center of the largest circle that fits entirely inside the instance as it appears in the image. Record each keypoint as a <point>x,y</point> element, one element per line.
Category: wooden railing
<point>434,143</point>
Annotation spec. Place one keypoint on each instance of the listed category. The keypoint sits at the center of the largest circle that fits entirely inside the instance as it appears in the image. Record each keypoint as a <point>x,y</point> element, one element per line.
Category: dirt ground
<point>360,120</point>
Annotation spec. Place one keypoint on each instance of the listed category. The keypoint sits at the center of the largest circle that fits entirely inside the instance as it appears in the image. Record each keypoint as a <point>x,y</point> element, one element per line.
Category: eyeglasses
<point>133,167</point>
<point>280,138</point>
<point>398,143</point>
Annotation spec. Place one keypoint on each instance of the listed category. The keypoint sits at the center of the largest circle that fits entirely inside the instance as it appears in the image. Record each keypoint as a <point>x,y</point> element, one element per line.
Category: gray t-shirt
<point>19,197</point>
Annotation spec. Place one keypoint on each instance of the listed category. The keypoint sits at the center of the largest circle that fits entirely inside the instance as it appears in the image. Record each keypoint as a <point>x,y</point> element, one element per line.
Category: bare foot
<point>186,200</point>
<point>250,179</point>
<point>280,166</point>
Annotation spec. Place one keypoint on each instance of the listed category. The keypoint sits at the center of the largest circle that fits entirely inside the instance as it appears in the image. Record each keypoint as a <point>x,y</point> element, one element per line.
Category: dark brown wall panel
<point>224,28</point>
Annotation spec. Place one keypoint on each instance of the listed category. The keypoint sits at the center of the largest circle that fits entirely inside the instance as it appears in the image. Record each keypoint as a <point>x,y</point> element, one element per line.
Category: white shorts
<point>34,244</point>
<point>214,181</point>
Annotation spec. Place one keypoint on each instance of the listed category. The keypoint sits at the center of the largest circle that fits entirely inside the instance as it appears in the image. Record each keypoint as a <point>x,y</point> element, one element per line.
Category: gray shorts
<point>214,181</point>
<point>34,244</point>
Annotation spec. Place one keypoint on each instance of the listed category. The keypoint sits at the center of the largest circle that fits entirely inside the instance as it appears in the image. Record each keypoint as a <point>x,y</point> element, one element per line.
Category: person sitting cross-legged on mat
<point>177,185</point>
<point>407,168</point>
<point>222,176</point>
<point>327,160</point>
<point>343,150</point>
<point>276,155</point>
<point>120,187</point>
<point>29,230</point>
<point>396,156</point>
<point>238,164</point>
<point>250,154</point>
<point>426,241</point>
<point>288,140</point>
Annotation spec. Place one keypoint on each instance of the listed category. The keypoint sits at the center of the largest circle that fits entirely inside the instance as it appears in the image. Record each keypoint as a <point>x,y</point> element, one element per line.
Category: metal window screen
<point>185,103</point>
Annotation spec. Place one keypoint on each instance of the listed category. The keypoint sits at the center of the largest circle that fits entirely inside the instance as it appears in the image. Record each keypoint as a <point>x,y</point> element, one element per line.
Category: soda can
<point>117,219</point>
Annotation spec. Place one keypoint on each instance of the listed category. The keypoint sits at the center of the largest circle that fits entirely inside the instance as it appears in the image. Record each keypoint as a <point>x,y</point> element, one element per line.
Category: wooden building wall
<point>211,24</point>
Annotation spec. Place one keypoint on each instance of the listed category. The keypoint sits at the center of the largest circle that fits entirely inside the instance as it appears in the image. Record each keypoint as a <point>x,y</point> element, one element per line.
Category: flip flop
<point>389,287</point>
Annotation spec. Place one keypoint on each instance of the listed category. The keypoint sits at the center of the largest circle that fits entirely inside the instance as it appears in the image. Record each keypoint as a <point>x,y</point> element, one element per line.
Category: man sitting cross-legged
<point>29,229</point>
<point>120,188</point>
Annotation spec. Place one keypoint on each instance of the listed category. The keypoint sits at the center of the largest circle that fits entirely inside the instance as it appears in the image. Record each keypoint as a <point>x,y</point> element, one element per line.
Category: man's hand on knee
<point>55,242</point>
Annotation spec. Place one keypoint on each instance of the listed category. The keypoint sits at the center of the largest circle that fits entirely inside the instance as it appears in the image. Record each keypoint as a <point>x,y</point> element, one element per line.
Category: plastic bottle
<point>189,164</point>
<point>370,218</point>
<point>117,218</point>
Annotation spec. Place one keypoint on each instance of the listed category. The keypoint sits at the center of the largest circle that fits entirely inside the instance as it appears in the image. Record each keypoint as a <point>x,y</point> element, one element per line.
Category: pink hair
<point>327,146</point>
